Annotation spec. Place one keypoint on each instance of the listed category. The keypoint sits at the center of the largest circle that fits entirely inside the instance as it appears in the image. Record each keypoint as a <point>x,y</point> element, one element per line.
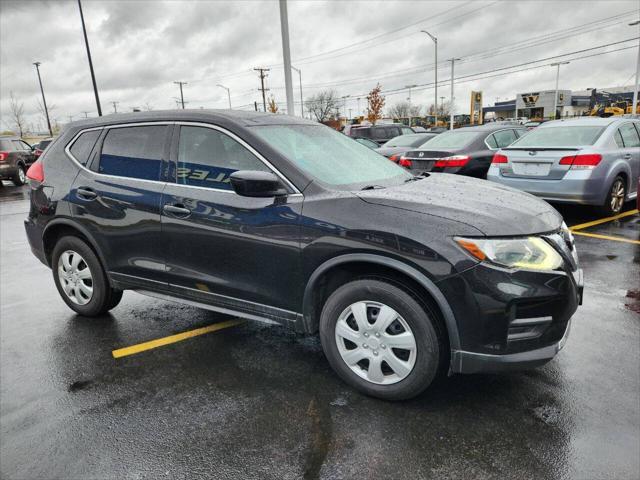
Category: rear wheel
<point>80,278</point>
<point>20,177</point>
<point>616,197</point>
<point>380,340</point>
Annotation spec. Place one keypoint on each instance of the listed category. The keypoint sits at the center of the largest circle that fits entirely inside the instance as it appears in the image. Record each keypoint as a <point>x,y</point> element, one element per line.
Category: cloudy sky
<point>140,48</point>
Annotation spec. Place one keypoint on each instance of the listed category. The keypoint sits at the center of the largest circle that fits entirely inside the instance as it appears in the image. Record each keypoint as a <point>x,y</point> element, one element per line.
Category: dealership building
<point>539,104</point>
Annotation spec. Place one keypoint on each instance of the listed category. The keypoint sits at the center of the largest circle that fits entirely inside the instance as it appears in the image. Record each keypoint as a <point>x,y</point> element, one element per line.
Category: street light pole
<point>555,98</point>
<point>435,68</point>
<point>410,87</point>
<point>286,54</point>
<point>93,75</point>
<point>301,101</point>
<point>228,93</point>
<point>634,108</point>
<point>44,101</point>
<point>453,61</point>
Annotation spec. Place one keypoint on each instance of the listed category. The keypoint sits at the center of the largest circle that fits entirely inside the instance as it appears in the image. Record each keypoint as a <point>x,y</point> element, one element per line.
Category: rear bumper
<point>34,236</point>
<point>471,362</point>
<point>576,187</point>
<point>7,170</point>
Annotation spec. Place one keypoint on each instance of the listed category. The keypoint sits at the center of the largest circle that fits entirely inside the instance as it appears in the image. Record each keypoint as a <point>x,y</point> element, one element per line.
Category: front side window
<point>629,135</point>
<point>504,138</point>
<point>406,131</point>
<point>560,136</point>
<point>207,157</point>
<point>134,152</point>
<point>82,147</point>
<point>331,158</point>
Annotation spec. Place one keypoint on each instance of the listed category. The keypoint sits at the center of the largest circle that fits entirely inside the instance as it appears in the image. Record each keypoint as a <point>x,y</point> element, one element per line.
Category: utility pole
<point>349,113</point>
<point>181,92</point>
<point>453,98</point>
<point>262,89</point>
<point>555,97</point>
<point>86,114</point>
<point>286,55</point>
<point>344,103</point>
<point>359,112</point>
<point>44,101</point>
<point>435,68</point>
<point>115,106</point>
<point>93,75</point>
<point>634,108</point>
<point>301,101</point>
<point>409,99</point>
<point>70,117</point>
<point>228,93</point>
<point>442,104</point>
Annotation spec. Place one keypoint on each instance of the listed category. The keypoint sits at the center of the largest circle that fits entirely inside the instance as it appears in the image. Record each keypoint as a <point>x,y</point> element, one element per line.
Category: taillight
<point>499,158</point>
<point>38,152</point>
<point>453,161</point>
<point>405,162</point>
<point>3,156</point>
<point>584,161</point>
<point>394,158</point>
<point>36,172</point>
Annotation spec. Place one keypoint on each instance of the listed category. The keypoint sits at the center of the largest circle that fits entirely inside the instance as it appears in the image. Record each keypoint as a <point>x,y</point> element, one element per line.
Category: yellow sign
<point>476,108</point>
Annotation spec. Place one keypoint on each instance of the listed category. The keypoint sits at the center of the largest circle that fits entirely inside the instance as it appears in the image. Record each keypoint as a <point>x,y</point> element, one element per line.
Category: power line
<point>262,89</point>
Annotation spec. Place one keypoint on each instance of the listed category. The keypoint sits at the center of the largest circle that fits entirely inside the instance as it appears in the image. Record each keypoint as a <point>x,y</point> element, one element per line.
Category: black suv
<point>380,133</point>
<point>16,156</point>
<point>278,218</point>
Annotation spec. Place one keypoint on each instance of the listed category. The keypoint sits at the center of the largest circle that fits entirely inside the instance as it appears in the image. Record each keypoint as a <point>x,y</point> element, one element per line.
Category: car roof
<point>239,117</point>
<point>489,127</point>
<point>583,121</point>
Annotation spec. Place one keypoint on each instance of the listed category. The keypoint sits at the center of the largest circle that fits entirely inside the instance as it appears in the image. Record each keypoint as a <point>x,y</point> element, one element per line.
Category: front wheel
<point>80,278</point>
<point>380,340</point>
<point>20,177</point>
<point>616,197</point>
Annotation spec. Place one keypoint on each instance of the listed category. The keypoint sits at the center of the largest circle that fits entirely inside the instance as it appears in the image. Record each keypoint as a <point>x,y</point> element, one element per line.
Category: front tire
<point>20,177</point>
<point>616,197</point>
<point>80,278</point>
<point>380,340</point>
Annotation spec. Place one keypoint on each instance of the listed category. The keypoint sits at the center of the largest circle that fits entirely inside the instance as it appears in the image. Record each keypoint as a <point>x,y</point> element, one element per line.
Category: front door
<point>226,249</point>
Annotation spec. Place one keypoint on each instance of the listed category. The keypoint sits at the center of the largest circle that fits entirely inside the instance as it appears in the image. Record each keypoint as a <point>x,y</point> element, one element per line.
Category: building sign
<point>476,108</point>
<point>530,99</point>
<point>543,99</point>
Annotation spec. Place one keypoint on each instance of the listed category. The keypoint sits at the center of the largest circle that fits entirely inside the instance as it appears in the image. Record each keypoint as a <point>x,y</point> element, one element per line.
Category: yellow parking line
<point>602,220</point>
<point>607,237</point>
<point>161,342</point>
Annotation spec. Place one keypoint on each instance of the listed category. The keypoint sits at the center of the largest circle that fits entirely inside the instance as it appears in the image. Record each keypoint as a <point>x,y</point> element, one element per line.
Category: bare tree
<point>444,109</point>
<point>43,113</point>
<point>17,115</point>
<point>147,107</point>
<point>404,110</point>
<point>375,102</point>
<point>322,104</point>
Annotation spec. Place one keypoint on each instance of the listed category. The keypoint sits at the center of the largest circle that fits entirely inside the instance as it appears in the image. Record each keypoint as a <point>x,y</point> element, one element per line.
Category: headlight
<point>532,253</point>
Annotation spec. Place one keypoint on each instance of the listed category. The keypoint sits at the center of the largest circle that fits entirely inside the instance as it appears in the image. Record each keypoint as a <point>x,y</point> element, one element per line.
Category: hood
<point>388,151</point>
<point>493,209</point>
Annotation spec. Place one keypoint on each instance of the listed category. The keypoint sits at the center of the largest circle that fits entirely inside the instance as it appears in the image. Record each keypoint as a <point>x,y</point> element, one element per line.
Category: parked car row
<point>16,156</point>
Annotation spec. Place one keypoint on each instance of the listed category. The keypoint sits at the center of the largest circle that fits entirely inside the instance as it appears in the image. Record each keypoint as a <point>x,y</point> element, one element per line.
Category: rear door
<point>631,138</point>
<point>24,151</point>
<point>117,198</point>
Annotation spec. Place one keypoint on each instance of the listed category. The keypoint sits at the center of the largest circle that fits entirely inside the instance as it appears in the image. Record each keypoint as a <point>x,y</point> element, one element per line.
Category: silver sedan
<point>590,161</point>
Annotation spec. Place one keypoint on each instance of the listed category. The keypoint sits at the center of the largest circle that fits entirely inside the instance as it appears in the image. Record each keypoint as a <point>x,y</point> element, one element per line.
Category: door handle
<point>627,156</point>
<point>177,210</point>
<point>86,193</point>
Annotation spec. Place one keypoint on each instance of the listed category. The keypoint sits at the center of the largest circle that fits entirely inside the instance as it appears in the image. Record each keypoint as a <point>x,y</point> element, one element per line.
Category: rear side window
<point>381,134</point>
<point>491,141</point>
<point>393,132</point>
<point>207,157</point>
<point>134,152</point>
<point>6,145</point>
<point>20,145</point>
<point>361,133</point>
<point>406,131</point>
<point>618,138</point>
<point>82,147</point>
<point>629,135</point>
<point>504,138</point>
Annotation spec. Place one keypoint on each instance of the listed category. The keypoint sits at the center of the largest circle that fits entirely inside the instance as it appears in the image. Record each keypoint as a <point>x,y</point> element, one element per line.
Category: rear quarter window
<point>561,136</point>
<point>83,145</point>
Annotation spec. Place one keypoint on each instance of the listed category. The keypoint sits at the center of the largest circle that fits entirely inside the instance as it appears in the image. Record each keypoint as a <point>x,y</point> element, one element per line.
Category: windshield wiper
<point>415,178</point>
<point>372,187</point>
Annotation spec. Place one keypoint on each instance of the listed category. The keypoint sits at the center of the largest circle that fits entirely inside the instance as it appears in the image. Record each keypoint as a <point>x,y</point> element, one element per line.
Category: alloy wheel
<point>21,175</point>
<point>75,277</point>
<point>375,342</point>
<point>617,195</point>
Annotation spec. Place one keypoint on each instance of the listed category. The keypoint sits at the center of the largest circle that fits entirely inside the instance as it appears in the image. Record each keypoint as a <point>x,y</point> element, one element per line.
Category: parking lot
<point>251,400</point>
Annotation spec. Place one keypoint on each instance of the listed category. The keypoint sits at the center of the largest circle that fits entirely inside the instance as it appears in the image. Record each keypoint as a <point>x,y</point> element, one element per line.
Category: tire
<point>20,177</point>
<point>616,197</point>
<point>380,300</point>
<point>80,278</point>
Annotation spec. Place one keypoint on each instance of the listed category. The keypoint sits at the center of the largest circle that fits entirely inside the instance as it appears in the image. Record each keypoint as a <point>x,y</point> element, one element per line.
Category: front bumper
<point>471,362</point>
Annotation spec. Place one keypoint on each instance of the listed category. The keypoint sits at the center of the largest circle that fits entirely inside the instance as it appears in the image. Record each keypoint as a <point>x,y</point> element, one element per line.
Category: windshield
<point>332,158</point>
<point>407,141</point>
<point>454,139</point>
<point>560,136</point>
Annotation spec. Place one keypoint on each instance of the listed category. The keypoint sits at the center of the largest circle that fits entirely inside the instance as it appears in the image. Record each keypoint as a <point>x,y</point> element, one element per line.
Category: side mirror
<point>250,183</point>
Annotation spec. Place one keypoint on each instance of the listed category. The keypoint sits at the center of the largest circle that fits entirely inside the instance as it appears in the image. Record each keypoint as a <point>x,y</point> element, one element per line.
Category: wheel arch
<point>323,272</point>
<point>60,227</point>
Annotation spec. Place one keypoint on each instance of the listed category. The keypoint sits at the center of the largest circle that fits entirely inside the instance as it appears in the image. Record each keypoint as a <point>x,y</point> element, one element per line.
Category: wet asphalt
<point>258,401</point>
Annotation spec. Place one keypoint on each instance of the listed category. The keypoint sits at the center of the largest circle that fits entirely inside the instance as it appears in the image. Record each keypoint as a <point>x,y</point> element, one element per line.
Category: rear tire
<point>616,197</point>
<point>80,278</point>
<point>380,340</point>
<point>20,177</point>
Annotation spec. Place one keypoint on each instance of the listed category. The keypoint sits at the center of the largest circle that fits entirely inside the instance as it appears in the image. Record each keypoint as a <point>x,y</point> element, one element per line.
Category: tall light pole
<point>228,93</point>
<point>435,68</point>
<point>286,54</point>
<point>93,75</point>
<point>44,101</point>
<point>634,108</point>
<point>453,98</point>
<point>555,98</point>
<point>301,101</point>
<point>409,98</point>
